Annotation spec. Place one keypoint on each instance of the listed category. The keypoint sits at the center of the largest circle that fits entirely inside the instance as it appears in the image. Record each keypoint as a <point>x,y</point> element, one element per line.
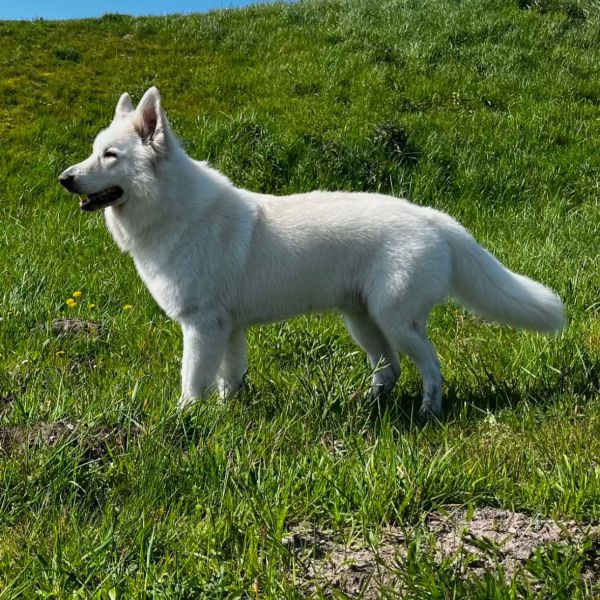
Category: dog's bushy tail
<point>480,282</point>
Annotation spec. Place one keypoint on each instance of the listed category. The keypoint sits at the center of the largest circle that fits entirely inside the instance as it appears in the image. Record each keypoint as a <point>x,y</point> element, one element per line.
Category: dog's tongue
<point>84,202</point>
<point>100,199</point>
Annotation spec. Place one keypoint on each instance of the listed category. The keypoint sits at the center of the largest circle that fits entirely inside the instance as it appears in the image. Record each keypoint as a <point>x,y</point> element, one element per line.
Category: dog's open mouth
<point>101,199</point>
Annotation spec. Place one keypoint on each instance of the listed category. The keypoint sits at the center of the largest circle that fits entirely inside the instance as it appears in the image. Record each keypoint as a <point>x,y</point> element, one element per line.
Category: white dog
<point>218,259</point>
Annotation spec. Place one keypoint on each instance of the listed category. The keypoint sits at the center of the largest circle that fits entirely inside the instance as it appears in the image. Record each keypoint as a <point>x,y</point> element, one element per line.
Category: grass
<point>489,111</point>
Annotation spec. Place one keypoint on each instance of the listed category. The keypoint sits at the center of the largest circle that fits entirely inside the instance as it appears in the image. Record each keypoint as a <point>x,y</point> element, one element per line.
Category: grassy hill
<point>487,110</point>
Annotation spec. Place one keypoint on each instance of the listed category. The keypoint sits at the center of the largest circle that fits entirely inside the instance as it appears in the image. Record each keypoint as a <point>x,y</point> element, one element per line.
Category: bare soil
<point>96,440</point>
<point>68,327</point>
<point>485,539</point>
<point>6,403</point>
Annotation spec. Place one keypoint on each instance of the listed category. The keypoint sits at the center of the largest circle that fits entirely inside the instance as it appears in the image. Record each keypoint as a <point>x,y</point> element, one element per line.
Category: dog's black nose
<point>66,181</point>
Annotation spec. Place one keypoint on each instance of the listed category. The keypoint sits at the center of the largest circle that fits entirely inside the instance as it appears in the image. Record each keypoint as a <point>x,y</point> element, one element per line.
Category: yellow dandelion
<point>91,306</point>
<point>76,294</point>
<point>127,306</point>
<point>71,302</point>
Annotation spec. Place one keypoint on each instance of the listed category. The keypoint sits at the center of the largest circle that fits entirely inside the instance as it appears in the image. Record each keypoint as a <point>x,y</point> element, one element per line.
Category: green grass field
<point>487,110</point>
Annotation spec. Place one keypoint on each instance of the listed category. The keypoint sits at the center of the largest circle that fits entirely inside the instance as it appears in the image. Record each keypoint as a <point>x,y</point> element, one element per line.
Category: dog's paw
<point>428,415</point>
<point>229,389</point>
<point>185,402</point>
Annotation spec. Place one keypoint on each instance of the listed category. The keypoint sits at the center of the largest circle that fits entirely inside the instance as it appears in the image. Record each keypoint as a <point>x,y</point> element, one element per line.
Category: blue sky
<point>67,9</point>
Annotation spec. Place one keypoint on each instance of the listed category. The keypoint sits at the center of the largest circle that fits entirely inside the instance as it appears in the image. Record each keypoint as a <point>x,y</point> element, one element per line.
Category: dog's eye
<point>110,154</point>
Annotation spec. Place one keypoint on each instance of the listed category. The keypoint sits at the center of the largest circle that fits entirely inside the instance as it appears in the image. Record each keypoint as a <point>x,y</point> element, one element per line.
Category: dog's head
<point>124,155</point>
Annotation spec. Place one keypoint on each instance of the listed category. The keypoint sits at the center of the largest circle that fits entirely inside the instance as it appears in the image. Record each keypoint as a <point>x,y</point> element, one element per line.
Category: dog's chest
<point>178,281</point>
<point>164,285</point>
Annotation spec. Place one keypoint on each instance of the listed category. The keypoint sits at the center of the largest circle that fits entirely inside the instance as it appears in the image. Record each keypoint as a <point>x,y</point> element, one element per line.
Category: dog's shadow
<point>476,402</point>
<point>399,408</point>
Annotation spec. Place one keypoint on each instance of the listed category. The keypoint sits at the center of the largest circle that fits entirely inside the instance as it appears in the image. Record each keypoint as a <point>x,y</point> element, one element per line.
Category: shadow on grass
<point>459,403</point>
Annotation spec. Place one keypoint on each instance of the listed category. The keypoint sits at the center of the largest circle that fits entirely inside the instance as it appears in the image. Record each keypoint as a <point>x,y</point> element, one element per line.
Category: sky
<point>67,9</point>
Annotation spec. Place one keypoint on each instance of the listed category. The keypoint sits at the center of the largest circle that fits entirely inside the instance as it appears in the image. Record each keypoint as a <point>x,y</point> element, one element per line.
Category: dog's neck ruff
<point>149,210</point>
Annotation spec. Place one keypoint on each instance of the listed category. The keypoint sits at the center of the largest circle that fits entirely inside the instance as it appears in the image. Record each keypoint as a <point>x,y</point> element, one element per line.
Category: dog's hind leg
<point>381,356</point>
<point>411,339</point>
<point>230,379</point>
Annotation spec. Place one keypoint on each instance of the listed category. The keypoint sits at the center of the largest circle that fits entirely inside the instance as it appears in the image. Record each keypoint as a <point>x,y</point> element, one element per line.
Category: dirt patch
<point>69,327</point>
<point>6,403</point>
<point>483,540</point>
<point>493,535</point>
<point>96,440</point>
<point>356,569</point>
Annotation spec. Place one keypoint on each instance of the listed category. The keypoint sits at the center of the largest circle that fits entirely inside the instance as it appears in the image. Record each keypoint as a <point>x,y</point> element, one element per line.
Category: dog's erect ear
<point>150,120</point>
<point>124,106</point>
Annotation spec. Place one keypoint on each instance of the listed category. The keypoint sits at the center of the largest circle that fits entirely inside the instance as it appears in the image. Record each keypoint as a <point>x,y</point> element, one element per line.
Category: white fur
<point>218,259</point>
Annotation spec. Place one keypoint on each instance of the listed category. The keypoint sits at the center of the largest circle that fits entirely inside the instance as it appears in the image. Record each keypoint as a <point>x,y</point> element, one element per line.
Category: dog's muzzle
<point>102,199</point>
<point>90,202</point>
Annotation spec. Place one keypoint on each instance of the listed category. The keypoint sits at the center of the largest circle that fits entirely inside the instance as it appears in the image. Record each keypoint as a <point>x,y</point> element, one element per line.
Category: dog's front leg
<point>204,339</point>
<point>230,378</point>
